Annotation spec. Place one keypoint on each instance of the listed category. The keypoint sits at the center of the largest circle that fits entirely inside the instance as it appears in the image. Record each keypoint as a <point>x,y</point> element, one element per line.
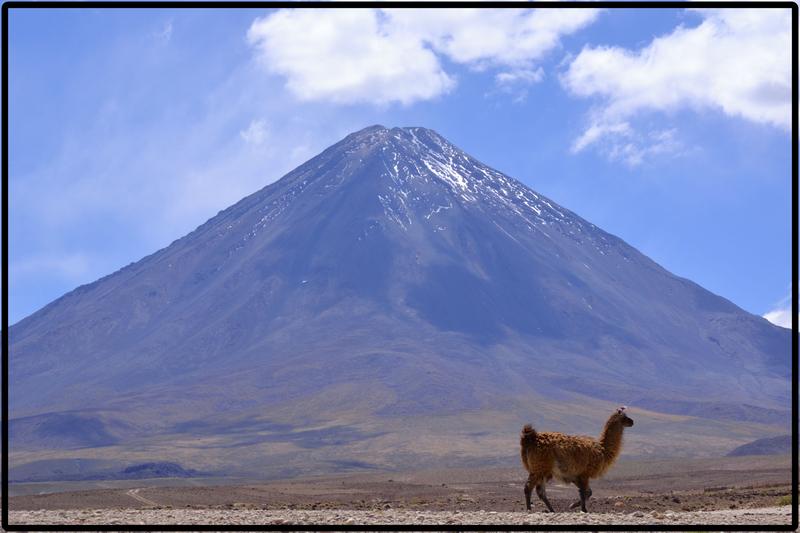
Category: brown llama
<point>570,458</point>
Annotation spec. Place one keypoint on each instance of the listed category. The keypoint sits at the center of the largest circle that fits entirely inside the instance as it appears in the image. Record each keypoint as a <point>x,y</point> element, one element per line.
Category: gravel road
<point>760,516</point>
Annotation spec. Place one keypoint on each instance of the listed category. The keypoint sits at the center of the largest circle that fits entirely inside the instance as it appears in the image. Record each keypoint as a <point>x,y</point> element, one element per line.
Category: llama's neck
<point>611,440</point>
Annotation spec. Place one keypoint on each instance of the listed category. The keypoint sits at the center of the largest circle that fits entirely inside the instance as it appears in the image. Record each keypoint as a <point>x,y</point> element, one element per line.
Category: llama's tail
<point>527,441</point>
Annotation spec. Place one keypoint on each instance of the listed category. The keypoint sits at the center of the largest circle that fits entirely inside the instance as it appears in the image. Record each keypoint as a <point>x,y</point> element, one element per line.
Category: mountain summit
<point>390,294</point>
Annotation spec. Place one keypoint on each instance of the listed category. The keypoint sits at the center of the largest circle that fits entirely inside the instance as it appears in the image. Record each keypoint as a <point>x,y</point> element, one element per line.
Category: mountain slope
<point>391,275</point>
<point>769,446</point>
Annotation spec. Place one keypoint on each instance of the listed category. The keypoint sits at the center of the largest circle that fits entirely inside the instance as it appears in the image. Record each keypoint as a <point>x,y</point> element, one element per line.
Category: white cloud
<point>780,317</point>
<point>491,37</point>
<point>517,76</point>
<point>393,55</point>
<point>346,56</point>
<point>516,82</point>
<point>632,149</point>
<point>596,131</point>
<point>620,142</point>
<point>737,61</point>
<point>256,132</point>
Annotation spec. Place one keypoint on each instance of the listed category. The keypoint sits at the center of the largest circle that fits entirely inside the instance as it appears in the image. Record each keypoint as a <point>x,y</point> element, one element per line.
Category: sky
<point>670,128</point>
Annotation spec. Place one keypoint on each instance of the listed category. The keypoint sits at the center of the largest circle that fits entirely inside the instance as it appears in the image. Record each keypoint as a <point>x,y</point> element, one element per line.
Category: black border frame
<point>238,4</point>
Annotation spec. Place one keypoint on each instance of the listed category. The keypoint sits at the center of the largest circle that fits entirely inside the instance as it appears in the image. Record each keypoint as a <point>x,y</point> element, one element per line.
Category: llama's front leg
<point>582,486</point>
<point>542,493</point>
<point>585,495</point>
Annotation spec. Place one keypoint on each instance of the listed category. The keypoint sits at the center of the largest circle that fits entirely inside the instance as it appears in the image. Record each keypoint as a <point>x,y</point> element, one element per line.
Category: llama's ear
<point>621,409</point>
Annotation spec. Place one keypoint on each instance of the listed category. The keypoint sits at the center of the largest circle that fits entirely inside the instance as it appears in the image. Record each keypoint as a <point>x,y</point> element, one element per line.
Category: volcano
<point>390,302</point>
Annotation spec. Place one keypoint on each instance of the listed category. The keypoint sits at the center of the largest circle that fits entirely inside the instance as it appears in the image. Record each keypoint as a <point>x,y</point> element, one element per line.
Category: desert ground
<point>730,490</point>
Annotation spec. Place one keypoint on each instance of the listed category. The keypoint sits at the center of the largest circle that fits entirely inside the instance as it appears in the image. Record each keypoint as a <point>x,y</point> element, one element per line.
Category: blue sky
<point>667,127</point>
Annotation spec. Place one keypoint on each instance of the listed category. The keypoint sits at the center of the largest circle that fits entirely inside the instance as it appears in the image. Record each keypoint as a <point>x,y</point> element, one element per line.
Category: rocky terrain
<point>748,490</point>
<point>756,517</point>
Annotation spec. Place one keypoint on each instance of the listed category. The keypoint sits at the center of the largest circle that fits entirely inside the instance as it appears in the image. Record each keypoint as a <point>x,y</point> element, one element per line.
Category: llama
<point>570,458</point>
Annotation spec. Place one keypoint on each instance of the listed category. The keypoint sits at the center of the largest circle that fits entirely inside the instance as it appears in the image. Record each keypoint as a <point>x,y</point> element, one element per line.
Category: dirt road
<point>134,493</point>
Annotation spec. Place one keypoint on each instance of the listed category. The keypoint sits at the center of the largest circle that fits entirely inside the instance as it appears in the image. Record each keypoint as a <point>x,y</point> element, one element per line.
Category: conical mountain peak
<point>379,136</point>
<point>389,282</point>
<point>415,172</point>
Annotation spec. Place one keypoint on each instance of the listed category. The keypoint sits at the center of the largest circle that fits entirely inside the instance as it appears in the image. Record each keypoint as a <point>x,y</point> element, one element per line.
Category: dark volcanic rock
<point>155,470</point>
<point>94,470</point>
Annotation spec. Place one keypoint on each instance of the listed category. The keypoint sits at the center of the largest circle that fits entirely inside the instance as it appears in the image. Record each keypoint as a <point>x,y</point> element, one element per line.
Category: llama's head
<point>622,417</point>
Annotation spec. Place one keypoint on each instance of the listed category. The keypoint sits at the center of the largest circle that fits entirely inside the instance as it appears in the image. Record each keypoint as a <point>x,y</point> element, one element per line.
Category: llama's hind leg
<point>528,490</point>
<point>542,494</point>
